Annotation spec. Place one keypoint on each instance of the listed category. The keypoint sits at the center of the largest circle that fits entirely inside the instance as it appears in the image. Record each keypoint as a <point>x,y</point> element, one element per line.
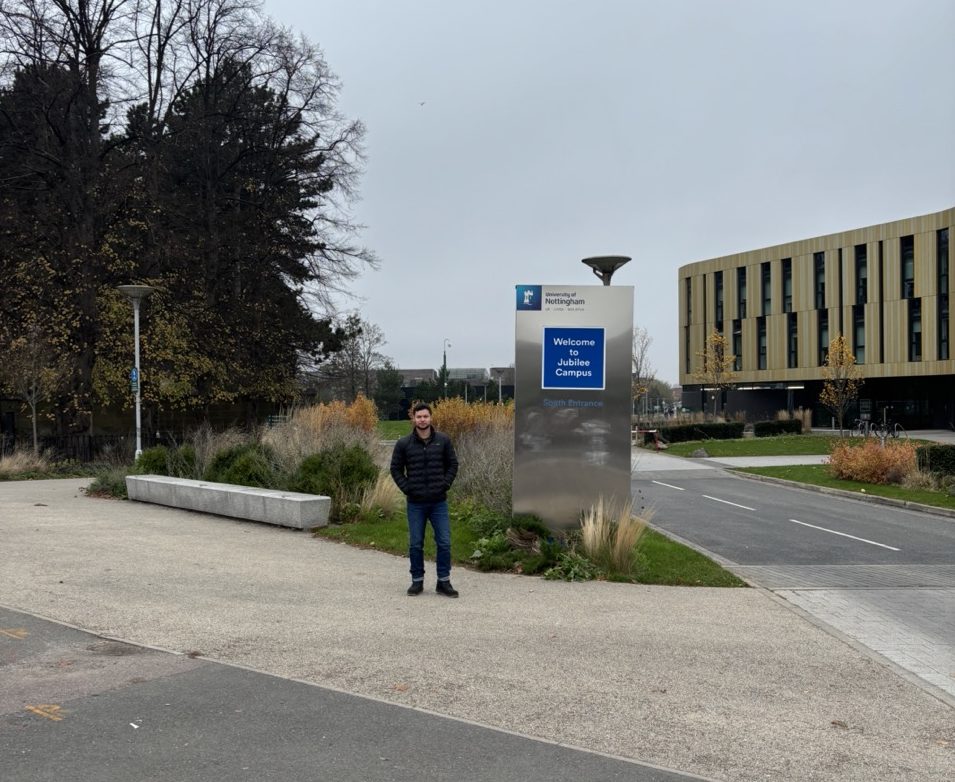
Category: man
<point>423,465</point>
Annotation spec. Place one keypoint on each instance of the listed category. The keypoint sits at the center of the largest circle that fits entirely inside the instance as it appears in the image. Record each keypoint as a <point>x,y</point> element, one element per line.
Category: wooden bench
<point>272,506</point>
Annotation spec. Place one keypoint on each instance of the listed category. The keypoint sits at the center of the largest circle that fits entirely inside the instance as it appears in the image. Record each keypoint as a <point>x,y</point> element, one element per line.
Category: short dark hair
<point>420,406</point>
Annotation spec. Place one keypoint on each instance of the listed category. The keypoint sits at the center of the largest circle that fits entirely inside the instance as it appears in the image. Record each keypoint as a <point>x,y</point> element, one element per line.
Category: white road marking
<point>845,535</point>
<point>661,483</point>
<point>717,499</point>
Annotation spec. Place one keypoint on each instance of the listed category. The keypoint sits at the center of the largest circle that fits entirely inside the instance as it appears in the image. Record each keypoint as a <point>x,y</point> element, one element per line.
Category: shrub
<point>872,462</point>
<point>208,443</point>
<point>457,418</point>
<point>153,461</point>
<point>773,428</point>
<point>243,465</point>
<point>110,482</point>
<point>182,462</point>
<point>702,431</point>
<point>318,428</point>
<point>486,471</point>
<point>938,459</point>
<point>571,566</point>
<point>342,473</point>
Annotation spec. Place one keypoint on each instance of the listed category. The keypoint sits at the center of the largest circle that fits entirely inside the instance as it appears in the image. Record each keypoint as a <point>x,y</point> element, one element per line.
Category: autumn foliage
<point>456,418</point>
<point>873,462</point>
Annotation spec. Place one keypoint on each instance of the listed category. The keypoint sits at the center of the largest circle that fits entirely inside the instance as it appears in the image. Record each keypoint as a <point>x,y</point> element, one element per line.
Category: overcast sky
<point>509,139</point>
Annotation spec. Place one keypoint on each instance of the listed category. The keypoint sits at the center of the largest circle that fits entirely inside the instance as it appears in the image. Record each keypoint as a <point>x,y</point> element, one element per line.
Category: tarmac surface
<point>729,684</point>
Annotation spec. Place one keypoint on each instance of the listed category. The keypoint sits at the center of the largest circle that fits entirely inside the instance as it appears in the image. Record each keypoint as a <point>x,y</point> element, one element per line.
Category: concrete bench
<point>284,508</point>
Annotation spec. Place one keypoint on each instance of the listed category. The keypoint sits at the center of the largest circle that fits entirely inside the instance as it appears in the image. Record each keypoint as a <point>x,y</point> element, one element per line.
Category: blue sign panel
<point>529,297</point>
<point>573,358</point>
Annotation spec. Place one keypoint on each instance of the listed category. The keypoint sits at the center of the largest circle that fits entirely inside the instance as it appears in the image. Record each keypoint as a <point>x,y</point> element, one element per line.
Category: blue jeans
<point>419,513</point>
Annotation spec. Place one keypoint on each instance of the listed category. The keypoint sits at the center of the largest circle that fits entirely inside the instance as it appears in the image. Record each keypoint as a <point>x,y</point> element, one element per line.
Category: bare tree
<point>842,379</point>
<point>641,372</point>
<point>716,370</point>
<point>30,370</point>
<point>353,369</point>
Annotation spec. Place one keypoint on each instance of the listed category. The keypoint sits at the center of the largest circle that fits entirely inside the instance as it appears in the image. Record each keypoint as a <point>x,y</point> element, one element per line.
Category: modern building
<point>886,288</point>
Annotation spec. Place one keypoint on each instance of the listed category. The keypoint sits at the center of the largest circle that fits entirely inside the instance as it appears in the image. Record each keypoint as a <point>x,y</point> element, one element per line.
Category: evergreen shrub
<point>153,461</point>
<point>938,459</point>
<point>702,431</point>
<point>243,465</point>
<point>774,428</point>
<point>342,472</point>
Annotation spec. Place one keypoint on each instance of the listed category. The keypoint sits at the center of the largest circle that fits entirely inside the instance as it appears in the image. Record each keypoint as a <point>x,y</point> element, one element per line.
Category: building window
<point>915,329</point>
<point>881,267</point>
<point>766,283</point>
<point>761,342</point>
<point>858,332</point>
<point>737,345</point>
<point>823,331</point>
<point>792,340</point>
<point>688,286</point>
<point>941,254</point>
<point>819,276</point>
<point>718,284</point>
<point>686,350</point>
<point>943,353</point>
<point>862,275</point>
<point>787,284</point>
<point>907,258</point>
<point>741,291</point>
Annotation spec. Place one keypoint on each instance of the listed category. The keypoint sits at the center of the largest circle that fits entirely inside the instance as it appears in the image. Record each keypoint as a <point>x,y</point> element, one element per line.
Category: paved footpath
<point>726,684</point>
<point>904,613</point>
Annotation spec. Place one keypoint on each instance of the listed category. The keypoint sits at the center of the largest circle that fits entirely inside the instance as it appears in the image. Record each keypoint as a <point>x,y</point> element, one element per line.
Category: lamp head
<point>135,292</point>
<point>603,266</point>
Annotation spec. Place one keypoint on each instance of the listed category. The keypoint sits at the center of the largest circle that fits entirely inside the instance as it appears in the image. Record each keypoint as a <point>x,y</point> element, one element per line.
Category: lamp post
<point>444,364</point>
<point>136,293</point>
<point>603,266</point>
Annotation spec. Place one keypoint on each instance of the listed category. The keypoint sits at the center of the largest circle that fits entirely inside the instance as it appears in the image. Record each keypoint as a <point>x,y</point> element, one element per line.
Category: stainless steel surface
<point>572,415</point>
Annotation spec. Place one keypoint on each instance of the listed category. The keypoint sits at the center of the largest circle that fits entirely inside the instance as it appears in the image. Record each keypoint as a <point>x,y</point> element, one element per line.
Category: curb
<point>907,504</point>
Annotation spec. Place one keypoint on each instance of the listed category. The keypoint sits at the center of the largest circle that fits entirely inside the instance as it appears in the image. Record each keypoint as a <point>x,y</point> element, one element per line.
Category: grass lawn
<point>666,562</point>
<point>818,475</point>
<point>392,430</point>
<point>783,445</point>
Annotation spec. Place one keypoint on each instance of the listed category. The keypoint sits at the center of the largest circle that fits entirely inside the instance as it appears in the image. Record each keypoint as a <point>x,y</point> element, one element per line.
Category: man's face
<point>422,420</point>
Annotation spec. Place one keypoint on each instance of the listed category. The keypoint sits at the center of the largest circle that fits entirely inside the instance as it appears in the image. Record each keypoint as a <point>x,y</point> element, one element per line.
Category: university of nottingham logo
<point>529,297</point>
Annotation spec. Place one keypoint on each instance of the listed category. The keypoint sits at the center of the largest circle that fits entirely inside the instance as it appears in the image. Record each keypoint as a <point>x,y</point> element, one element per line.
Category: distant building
<point>887,288</point>
<point>412,377</point>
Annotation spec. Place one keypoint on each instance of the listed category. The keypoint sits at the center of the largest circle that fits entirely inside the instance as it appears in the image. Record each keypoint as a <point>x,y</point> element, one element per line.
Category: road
<point>882,576</point>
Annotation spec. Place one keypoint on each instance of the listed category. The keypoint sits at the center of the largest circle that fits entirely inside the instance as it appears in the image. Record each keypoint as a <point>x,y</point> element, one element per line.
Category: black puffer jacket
<point>424,469</point>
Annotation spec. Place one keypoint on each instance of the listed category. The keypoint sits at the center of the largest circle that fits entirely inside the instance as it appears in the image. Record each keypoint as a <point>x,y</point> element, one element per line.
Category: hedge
<point>773,428</point>
<point>939,459</point>
<point>685,432</point>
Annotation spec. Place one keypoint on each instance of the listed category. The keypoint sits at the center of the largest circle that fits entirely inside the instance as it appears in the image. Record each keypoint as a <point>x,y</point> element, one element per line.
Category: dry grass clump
<point>318,428</point>
<point>483,437</point>
<point>873,462</point>
<point>384,497</point>
<point>609,536</point>
<point>208,442</point>
<point>23,461</point>
<point>486,472</point>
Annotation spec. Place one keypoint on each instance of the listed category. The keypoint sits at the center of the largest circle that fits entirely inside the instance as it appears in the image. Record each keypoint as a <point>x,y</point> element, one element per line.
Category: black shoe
<point>416,588</point>
<point>445,588</point>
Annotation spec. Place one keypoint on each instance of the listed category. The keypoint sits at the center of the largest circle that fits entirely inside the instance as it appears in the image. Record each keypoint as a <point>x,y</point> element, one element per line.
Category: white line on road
<point>845,535</point>
<point>661,483</point>
<point>717,499</point>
